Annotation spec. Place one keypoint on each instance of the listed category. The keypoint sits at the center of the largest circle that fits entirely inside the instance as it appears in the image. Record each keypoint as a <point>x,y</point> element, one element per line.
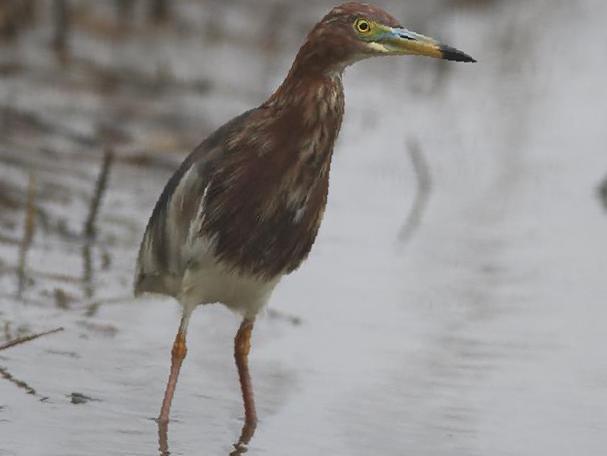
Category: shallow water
<point>482,334</point>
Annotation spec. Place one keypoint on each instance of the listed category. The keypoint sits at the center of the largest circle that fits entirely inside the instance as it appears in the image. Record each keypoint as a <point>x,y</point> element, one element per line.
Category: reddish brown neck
<point>315,65</point>
<point>310,106</point>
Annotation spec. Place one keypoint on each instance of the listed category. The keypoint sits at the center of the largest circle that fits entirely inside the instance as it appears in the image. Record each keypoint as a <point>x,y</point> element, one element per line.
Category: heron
<point>244,208</point>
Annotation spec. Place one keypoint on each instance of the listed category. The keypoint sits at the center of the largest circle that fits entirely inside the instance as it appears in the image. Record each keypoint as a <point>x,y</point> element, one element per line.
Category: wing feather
<point>171,240</point>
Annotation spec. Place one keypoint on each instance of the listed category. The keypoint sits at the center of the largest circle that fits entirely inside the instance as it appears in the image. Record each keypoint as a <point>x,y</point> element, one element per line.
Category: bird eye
<point>362,26</point>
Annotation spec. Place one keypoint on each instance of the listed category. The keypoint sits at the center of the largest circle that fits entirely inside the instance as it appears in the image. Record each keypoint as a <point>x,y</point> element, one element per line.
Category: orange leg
<point>242,346</point>
<point>177,355</point>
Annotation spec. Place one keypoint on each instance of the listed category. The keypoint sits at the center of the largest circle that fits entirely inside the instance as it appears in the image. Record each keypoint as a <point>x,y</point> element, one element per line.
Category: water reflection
<point>240,447</point>
<point>163,438</point>
<point>87,269</point>
<point>248,430</point>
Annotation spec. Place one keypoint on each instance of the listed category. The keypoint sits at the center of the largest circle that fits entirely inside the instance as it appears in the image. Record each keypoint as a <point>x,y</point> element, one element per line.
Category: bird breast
<point>268,196</point>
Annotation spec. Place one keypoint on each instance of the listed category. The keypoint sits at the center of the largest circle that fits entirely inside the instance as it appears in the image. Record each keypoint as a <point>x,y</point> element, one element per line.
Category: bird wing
<point>172,236</point>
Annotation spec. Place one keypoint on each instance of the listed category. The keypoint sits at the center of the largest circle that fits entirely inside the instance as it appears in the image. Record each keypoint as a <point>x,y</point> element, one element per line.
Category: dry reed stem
<point>160,11</point>
<point>29,229</point>
<point>62,28</point>
<point>100,187</point>
<point>20,383</point>
<point>422,194</point>
<point>21,340</point>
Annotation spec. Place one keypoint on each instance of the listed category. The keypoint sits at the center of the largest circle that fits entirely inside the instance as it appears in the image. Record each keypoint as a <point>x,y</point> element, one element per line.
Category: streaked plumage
<point>245,206</point>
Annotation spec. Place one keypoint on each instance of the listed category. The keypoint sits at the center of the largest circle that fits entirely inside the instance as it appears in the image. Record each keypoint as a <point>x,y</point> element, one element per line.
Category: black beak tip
<point>455,55</point>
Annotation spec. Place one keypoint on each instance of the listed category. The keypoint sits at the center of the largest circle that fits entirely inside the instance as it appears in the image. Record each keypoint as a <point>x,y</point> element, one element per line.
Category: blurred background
<point>454,302</point>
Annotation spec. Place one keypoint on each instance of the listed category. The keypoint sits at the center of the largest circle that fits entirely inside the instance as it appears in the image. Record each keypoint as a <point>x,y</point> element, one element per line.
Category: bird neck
<point>312,66</point>
<point>312,90</point>
<point>309,91</point>
<point>309,107</point>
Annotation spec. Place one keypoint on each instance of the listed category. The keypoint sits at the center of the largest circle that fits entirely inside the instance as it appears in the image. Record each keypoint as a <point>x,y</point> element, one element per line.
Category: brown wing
<point>163,254</point>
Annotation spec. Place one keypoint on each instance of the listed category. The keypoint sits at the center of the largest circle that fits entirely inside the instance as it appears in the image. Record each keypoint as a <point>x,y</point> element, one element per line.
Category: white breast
<point>214,283</point>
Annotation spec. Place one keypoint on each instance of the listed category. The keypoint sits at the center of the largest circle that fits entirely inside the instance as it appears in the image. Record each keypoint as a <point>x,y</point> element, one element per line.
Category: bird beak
<point>402,42</point>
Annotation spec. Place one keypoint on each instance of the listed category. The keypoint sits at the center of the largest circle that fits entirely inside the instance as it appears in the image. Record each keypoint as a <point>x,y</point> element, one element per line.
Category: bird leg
<point>177,355</point>
<point>242,346</point>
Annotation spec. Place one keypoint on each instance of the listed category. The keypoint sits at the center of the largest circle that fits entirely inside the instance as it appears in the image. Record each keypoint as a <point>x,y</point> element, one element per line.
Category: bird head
<point>354,31</point>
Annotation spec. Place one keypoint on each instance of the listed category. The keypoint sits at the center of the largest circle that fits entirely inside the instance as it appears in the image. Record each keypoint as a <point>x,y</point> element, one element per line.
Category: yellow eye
<point>362,26</point>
